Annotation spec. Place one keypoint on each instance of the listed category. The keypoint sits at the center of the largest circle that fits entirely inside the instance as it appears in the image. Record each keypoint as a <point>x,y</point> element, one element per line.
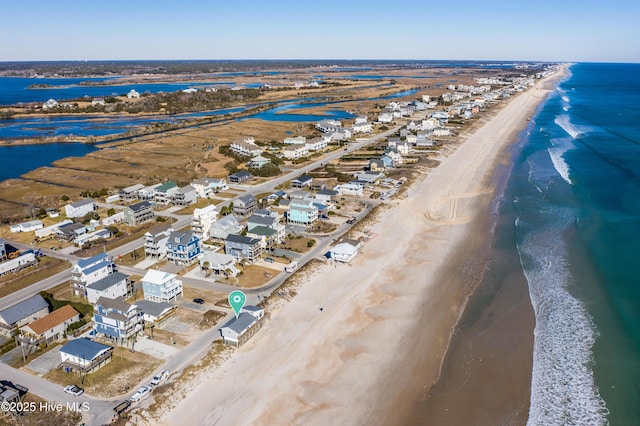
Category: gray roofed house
<point>240,176</point>
<point>24,312</point>
<point>238,330</point>
<point>256,220</point>
<point>302,181</point>
<point>155,312</point>
<point>112,286</point>
<point>243,247</point>
<point>138,213</point>
<point>326,195</point>
<point>225,226</point>
<point>70,231</point>
<point>245,205</point>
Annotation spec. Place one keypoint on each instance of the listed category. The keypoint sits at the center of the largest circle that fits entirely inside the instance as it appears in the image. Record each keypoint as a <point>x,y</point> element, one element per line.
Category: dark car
<point>269,260</point>
<point>198,301</point>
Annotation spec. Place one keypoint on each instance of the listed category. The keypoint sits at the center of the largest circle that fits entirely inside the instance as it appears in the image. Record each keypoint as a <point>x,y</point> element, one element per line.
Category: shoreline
<point>308,366</point>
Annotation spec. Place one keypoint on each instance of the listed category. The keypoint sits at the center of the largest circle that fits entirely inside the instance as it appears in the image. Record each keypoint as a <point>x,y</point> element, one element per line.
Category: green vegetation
<point>85,309</point>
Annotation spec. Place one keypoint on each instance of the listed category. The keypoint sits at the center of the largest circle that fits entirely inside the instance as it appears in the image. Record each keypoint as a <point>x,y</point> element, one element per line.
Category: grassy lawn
<point>209,296</point>
<point>255,276</point>
<point>131,258</point>
<point>115,378</point>
<point>47,267</point>
<point>138,233</point>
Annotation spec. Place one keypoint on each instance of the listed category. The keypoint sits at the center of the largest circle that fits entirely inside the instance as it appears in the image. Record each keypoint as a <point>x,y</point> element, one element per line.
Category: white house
<point>112,286</point>
<point>293,152</point>
<point>345,251</point>
<point>88,271</point>
<point>159,286</point>
<point>361,125</point>
<point>349,189</point>
<point>155,241</point>
<point>202,187</point>
<point>51,103</point>
<point>238,330</point>
<point>245,146</point>
<point>441,131</point>
<point>258,161</point>
<point>328,126</point>
<point>316,144</point>
<point>85,355</point>
<point>203,219</point>
<point>296,140</point>
<point>385,117</point>
<point>52,326</point>
<point>80,208</point>
<point>32,225</point>
<point>133,94</point>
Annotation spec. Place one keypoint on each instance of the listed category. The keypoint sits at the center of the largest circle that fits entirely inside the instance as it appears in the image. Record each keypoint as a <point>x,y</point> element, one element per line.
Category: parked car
<point>74,390</point>
<point>198,300</point>
<point>160,377</point>
<point>269,260</point>
<point>140,394</point>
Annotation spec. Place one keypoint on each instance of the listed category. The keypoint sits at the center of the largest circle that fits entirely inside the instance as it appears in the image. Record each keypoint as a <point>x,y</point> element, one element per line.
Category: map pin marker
<point>236,300</point>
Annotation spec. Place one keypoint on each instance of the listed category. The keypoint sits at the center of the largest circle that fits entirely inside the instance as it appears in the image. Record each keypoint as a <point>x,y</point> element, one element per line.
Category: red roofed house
<point>52,326</point>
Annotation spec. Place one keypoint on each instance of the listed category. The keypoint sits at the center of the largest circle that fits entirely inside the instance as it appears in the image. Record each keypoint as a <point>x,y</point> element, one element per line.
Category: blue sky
<point>541,30</point>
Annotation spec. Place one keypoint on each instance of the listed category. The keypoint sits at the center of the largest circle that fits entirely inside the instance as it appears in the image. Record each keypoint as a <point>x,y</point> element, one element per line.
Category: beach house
<point>270,220</point>
<point>349,189</point>
<point>245,205</point>
<point>316,144</point>
<point>326,195</point>
<point>88,271</point>
<point>225,226</point>
<point>80,208</point>
<point>202,187</point>
<point>148,193</point>
<point>117,320</point>
<point>184,196</point>
<point>294,152</point>
<point>112,286</point>
<point>18,263</point>
<point>84,356</point>
<point>22,313</point>
<point>302,212</point>
<point>345,251</point>
<point>70,231</point>
<point>159,286</point>
<point>219,263</point>
<point>203,219</point>
<point>164,193</point>
<point>240,176</point>
<point>238,330</point>
<point>130,193</point>
<point>138,213</point>
<point>32,225</point>
<point>295,140</point>
<point>302,181</point>
<point>241,247</point>
<point>245,146</point>
<point>183,247</point>
<point>155,241</point>
<point>51,327</point>
<point>155,312</point>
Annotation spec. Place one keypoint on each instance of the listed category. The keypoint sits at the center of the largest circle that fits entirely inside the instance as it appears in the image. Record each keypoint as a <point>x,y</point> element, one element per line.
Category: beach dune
<point>386,317</point>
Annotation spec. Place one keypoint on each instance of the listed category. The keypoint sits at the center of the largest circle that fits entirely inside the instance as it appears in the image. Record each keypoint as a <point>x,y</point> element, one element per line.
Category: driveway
<point>47,362</point>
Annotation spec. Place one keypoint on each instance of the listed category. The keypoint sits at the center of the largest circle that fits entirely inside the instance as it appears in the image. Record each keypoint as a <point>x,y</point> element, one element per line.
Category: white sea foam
<point>563,391</point>
<point>556,153</point>
<point>564,122</point>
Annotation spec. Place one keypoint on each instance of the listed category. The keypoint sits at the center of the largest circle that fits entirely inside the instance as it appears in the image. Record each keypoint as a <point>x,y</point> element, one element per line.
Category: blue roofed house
<point>159,286</point>
<point>88,271</point>
<point>183,247</point>
<point>112,286</point>
<point>117,320</point>
<point>302,212</point>
<point>23,313</point>
<point>247,248</point>
<point>238,330</point>
<point>84,355</point>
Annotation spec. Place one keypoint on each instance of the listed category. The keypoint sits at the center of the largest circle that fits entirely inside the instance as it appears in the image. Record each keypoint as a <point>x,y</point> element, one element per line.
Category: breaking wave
<point>564,122</point>
<point>557,150</point>
<point>563,391</point>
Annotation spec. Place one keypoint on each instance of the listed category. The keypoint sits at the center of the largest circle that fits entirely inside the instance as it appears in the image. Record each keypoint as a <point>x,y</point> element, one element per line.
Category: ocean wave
<point>556,153</point>
<point>565,123</point>
<point>563,391</point>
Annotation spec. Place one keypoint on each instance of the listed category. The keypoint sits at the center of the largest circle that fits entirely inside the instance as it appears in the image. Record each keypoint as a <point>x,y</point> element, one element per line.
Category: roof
<point>84,348</point>
<point>227,222</point>
<point>22,310</point>
<point>215,258</point>
<point>267,221</point>
<point>154,276</point>
<point>262,231</point>
<point>344,248</point>
<point>181,237</point>
<point>166,186</point>
<point>70,228</point>
<point>117,304</point>
<point>240,324</point>
<point>54,318</point>
<point>100,257</point>
<point>108,281</point>
<point>132,188</point>
<point>329,192</point>
<point>242,173</point>
<point>160,229</point>
<point>249,198</point>
<point>154,309</point>
<point>82,202</point>
<point>186,189</point>
<point>140,206</point>
<point>241,239</point>
<point>303,179</point>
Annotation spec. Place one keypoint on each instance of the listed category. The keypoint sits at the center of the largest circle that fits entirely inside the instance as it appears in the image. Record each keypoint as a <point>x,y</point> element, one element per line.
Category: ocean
<point>574,194</point>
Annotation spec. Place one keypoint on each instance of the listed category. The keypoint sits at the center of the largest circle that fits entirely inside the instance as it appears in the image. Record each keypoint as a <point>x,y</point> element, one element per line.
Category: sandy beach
<point>387,319</point>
